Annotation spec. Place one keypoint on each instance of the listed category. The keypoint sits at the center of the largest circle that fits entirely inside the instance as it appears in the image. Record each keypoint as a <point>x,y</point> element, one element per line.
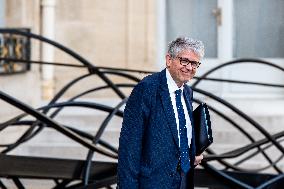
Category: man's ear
<point>168,60</point>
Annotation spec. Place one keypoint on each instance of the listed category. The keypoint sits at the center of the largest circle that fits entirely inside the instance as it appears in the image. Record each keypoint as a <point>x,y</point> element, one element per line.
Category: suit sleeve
<point>135,117</point>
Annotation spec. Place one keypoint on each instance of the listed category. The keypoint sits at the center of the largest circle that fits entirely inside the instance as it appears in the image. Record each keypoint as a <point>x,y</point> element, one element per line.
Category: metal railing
<point>231,175</point>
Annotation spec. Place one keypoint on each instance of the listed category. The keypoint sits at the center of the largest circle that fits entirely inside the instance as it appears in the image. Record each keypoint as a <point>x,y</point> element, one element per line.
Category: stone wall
<point>27,86</point>
<point>107,33</point>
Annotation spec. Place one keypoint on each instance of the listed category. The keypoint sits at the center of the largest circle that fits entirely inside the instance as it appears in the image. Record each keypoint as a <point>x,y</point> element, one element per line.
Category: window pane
<point>259,28</point>
<point>193,18</point>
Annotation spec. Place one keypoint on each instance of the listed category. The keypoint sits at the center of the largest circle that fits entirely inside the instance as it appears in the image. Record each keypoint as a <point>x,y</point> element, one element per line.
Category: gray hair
<point>184,43</point>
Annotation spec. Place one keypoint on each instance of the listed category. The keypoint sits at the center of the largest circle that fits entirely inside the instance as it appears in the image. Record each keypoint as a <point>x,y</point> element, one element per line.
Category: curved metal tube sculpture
<point>94,174</point>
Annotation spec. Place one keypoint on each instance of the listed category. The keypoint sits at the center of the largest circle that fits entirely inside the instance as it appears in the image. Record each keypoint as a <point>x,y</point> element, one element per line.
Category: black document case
<point>202,128</point>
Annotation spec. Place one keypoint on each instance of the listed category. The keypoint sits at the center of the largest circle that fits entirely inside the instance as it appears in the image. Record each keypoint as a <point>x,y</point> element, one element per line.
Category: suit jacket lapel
<point>167,106</point>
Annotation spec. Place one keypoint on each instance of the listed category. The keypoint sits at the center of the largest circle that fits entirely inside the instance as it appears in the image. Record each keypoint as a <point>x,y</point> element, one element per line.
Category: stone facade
<point>27,86</point>
<point>106,33</point>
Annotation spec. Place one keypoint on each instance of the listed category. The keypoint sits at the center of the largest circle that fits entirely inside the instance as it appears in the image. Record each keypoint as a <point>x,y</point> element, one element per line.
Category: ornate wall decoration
<point>14,53</point>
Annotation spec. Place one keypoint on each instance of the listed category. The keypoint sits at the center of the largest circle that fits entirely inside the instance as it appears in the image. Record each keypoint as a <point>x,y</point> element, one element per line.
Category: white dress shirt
<point>172,88</point>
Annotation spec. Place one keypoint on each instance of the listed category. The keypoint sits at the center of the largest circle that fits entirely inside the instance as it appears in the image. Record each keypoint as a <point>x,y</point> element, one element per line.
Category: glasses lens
<point>194,64</point>
<point>184,62</point>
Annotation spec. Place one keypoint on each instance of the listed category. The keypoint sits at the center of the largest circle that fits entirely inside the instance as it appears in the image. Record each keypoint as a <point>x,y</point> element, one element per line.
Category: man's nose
<point>189,66</point>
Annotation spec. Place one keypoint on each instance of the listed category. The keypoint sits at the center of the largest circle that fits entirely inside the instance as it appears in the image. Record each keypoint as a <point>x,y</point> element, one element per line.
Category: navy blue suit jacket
<point>148,144</point>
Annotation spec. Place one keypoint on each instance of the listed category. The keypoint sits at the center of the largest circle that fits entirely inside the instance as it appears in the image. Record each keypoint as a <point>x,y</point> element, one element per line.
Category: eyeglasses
<point>185,62</point>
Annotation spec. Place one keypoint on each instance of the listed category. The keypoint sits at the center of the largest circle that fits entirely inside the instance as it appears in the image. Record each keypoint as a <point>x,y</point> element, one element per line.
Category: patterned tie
<point>184,151</point>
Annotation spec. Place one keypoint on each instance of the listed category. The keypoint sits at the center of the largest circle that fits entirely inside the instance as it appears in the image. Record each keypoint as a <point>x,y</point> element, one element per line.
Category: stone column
<point>47,51</point>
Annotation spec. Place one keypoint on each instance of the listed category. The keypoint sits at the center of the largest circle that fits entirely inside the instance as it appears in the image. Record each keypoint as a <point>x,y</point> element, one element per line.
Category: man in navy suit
<point>156,145</point>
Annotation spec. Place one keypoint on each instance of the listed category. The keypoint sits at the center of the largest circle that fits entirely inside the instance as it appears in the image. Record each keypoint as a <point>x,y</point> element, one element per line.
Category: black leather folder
<point>202,128</point>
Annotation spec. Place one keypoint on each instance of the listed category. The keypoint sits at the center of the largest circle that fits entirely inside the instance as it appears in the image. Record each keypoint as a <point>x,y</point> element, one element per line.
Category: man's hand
<point>198,159</point>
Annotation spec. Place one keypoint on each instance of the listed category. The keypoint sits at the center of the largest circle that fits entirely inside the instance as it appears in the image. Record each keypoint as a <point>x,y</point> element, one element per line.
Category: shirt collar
<point>171,83</point>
